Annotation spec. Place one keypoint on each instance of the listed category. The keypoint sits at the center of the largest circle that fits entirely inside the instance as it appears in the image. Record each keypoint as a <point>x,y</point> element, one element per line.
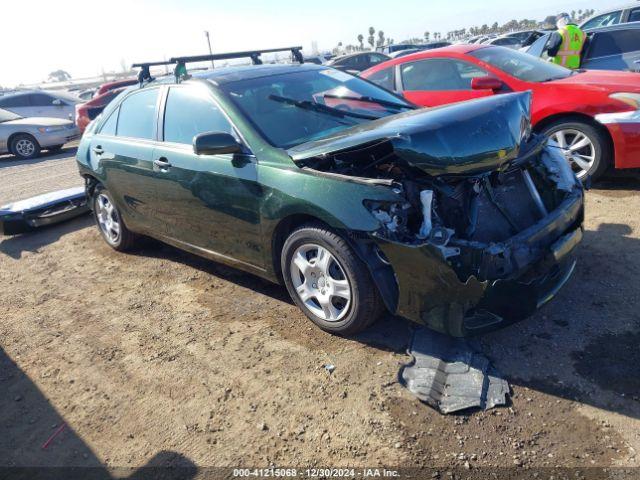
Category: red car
<point>105,87</point>
<point>85,112</point>
<point>593,115</point>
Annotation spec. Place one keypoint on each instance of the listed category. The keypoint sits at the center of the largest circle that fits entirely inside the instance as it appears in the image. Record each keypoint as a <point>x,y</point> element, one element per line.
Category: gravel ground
<point>160,357</point>
<point>21,179</point>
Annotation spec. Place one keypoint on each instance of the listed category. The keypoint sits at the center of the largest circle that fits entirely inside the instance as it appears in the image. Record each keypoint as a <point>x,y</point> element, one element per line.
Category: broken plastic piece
<point>449,374</point>
<point>426,198</point>
<point>47,209</point>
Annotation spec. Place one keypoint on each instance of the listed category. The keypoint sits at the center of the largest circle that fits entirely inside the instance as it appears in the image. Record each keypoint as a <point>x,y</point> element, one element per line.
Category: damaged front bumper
<point>514,277</point>
<point>48,209</point>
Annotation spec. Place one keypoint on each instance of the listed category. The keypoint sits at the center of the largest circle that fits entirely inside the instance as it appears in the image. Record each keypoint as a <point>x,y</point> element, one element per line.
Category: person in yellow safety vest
<point>565,46</point>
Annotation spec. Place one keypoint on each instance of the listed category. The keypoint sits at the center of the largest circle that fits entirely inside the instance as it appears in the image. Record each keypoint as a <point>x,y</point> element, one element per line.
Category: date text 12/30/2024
<point>315,472</point>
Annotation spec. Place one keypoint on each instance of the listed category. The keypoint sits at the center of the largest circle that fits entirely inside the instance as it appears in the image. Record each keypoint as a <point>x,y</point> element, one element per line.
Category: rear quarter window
<point>137,118</point>
<point>16,101</point>
<point>384,78</point>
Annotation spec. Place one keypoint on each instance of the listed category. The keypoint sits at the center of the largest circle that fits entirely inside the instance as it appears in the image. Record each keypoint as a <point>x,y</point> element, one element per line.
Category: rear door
<point>614,50</point>
<point>210,202</point>
<point>123,150</point>
<point>439,81</point>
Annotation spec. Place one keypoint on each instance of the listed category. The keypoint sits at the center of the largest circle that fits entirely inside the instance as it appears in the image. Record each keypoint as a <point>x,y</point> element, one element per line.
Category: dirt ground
<point>163,358</point>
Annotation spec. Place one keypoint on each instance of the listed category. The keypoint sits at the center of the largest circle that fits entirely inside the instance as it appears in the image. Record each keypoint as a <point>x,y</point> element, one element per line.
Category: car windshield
<point>293,108</point>
<point>523,66</point>
<point>6,116</point>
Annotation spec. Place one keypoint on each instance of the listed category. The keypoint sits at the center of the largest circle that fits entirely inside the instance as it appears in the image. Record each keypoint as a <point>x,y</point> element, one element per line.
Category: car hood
<point>607,80</point>
<point>465,137</point>
<point>39,122</point>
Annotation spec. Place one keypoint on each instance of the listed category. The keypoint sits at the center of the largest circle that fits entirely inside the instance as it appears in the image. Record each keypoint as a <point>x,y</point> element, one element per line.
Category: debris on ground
<point>450,374</point>
<point>47,209</point>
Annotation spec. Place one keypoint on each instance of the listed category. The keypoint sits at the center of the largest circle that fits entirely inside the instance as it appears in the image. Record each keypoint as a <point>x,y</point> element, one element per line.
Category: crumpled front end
<point>485,215</point>
<point>499,246</point>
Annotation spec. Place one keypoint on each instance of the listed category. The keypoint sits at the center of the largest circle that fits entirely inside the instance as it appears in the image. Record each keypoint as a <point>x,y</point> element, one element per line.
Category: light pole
<point>206,32</point>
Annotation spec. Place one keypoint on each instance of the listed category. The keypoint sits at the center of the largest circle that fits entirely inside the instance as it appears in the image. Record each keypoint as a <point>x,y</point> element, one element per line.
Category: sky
<point>87,38</point>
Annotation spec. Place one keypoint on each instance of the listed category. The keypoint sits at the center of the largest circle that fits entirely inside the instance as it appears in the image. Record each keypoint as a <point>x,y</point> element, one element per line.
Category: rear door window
<point>189,112</point>
<point>439,74</point>
<point>634,15</point>
<point>40,100</point>
<point>614,43</point>
<point>137,117</point>
<point>612,18</point>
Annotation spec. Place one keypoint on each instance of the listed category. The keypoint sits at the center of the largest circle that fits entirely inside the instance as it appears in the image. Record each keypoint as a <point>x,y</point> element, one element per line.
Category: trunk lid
<point>462,138</point>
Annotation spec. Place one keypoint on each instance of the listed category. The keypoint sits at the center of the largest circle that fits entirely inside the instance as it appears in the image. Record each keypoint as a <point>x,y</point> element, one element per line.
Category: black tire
<point>55,148</point>
<point>25,146</point>
<point>365,305</point>
<point>126,239</point>
<point>601,144</point>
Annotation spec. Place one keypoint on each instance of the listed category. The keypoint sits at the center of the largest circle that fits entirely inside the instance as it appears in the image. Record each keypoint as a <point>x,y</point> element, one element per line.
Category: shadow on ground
<point>15,246</point>
<point>37,443</point>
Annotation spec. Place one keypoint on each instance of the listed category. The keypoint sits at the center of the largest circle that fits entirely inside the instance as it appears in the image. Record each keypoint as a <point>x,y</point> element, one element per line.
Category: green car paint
<point>239,208</point>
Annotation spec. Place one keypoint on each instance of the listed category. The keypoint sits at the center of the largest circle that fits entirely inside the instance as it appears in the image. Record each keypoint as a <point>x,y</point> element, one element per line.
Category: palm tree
<point>380,41</point>
<point>426,36</point>
<point>372,38</point>
<point>361,41</point>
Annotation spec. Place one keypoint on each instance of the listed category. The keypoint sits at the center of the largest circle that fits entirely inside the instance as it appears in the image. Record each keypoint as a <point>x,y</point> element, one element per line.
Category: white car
<point>41,103</point>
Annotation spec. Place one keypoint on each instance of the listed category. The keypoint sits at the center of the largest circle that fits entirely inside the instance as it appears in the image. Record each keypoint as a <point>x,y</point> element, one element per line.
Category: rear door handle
<point>162,164</point>
<point>98,150</point>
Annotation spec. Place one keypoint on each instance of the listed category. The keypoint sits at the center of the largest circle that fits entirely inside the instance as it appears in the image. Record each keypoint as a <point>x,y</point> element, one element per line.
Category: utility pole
<point>206,32</point>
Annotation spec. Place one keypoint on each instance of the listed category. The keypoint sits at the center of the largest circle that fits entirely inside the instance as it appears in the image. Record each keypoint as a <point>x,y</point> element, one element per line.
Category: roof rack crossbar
<point>254,55</point>
<point>144,74</point>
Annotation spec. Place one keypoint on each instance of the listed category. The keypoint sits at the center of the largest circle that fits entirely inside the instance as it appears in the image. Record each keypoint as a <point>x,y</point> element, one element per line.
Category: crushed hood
<point>465,137</point>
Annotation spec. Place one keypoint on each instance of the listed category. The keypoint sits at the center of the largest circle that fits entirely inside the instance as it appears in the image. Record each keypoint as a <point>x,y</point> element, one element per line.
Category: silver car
<point>26,137</point>
<point>41,103</point>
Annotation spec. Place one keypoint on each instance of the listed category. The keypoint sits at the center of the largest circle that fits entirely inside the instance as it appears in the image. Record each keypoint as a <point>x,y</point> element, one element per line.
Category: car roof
<point>613,9</point>
<point>619,26</point>
<point>234,73</point>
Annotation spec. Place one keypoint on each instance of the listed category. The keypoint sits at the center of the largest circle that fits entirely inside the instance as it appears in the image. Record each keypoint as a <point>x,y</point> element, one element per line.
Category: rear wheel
<point>328,281</point>
<point>109,221</point>
<point>25,146</point>
<point>585,147</point>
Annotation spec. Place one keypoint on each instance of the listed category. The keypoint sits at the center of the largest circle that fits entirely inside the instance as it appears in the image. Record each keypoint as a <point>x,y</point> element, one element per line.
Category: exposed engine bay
<point>462,215</point>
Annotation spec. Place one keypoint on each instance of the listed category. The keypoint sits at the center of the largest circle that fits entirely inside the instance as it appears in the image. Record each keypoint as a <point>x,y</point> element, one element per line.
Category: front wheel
<point>24,146</point>
<point>585,147</point>
<point>329,283</point>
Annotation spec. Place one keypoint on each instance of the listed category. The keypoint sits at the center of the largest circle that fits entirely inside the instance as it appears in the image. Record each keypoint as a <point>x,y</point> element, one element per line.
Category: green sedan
<point>358,202</point>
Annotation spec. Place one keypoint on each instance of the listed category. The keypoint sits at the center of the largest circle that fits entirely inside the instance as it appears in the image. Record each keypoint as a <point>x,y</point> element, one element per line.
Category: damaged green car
<point>457,217</point>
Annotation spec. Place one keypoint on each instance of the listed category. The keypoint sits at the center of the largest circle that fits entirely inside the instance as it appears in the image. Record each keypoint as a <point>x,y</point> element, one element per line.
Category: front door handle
<point>162,164</point>
<point>98,150</point>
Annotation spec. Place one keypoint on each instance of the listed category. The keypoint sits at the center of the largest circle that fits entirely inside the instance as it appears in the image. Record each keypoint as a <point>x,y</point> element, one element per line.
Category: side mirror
<point>486,83</point>
<point>215,143</point>
<point>57,102</point>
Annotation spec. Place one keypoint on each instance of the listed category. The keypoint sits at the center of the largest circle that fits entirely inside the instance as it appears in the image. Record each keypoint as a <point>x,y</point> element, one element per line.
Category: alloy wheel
<point>320,282</point>
<point>108,218</point>
<point>578,149</point>
<point>25,147</point>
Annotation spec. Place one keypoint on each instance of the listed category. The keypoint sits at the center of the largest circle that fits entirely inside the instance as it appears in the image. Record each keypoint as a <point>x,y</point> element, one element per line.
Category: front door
<point>210,202</point>
<point>438,81</point>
